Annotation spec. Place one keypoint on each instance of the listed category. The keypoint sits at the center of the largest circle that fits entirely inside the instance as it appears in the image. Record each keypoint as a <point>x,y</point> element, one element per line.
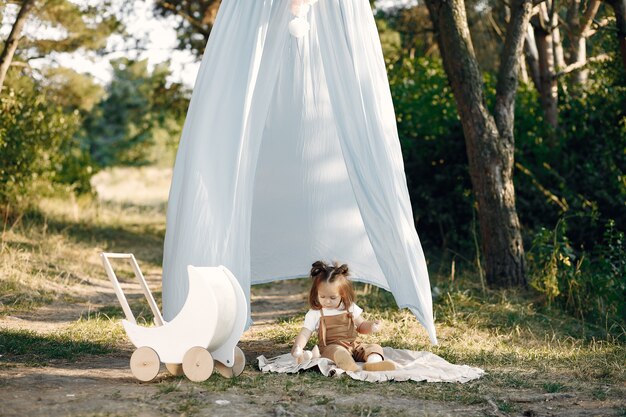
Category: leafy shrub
<point>139,120</point>
<point>577,170</point>
<point>36,143</point>
<point>590,285</point>
<point>435,160</point>
<point>554,265</point>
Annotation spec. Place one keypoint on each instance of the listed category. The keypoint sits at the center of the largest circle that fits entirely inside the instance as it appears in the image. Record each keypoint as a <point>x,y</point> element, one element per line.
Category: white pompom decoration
<point>298,27</point>
<point>312,2</point>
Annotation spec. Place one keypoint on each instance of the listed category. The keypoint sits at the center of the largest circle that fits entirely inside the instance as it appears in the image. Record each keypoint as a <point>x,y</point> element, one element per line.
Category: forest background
<point>59,128</point>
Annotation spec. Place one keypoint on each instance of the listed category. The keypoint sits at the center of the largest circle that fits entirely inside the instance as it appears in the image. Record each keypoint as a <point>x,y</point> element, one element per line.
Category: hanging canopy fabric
<point>290,154</point>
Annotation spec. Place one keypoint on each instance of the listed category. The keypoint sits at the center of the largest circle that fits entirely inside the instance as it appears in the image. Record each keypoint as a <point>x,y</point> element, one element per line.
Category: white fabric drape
<point>290,154</point>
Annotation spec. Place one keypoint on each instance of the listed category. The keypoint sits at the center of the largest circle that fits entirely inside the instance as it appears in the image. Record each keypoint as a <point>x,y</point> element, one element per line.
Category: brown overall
<point>339,332</point>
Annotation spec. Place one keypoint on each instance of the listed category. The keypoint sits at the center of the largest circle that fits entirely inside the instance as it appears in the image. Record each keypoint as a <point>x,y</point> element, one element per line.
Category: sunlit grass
<point>97,328</point>
<point>94,336</point>
<point>146,186</point>
<point>518,344</point>
<point>48,251</point>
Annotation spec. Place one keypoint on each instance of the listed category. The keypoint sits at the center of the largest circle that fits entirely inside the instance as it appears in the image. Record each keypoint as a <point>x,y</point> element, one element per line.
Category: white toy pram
<point>207,328</point>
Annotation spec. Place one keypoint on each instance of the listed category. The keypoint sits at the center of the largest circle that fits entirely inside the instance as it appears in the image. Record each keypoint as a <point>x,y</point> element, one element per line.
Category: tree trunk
<point>579,29</point>
<point>10,46</point>
<point>548,90</point>
<point>547,80</point>
<point>578,45</point>
<point>532,56</point>
<point>557,46</point>
<point>578,55</point>
<point>489,139</point>
<point>523,72</point>
<point>553,25</point>
<point>619,7</point>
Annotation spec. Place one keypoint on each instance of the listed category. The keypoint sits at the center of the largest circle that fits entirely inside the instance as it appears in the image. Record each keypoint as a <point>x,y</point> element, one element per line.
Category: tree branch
<point>133,49</point>
<point>10,46</point>
<point>549,195</point>
<point>193,21</point>
<point>565,24</point>
<point>578,65</point>
<point>532,56</point>
<point>506,86</point>
<point>20,64</point>
<point>495,26</point>
<point>587,20</point>
<point>597,25</point>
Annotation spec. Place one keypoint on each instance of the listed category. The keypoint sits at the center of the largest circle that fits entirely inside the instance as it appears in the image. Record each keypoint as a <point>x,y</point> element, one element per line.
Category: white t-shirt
<point>312,318</point>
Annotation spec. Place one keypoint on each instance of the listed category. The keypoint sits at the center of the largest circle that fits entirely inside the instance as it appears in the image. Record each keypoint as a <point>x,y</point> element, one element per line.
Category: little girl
<point>337,320</point>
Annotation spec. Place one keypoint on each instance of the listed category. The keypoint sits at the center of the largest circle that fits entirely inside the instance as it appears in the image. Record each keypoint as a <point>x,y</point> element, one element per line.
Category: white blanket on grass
<point>410,366</point>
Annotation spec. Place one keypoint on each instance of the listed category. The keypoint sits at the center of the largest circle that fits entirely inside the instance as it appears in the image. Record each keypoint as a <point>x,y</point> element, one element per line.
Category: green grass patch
<point>98,329</point>
<point>521,346</point>
<point>167,387</point>
<point>25,345</point>
<point>95,336</point>
<point>16,295</point>
<point>552,387</point>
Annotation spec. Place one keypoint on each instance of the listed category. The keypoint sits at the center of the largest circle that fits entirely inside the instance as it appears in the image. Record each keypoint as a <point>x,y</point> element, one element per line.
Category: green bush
<point>37,144</point>
<point>435,160</point>
<point>139,120</point>
<point>576,170</point>
<point>590,285</point>
<point>573,177</point>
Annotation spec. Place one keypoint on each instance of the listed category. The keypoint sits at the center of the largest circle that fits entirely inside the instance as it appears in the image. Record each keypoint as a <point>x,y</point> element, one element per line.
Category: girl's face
<point>328,295</point>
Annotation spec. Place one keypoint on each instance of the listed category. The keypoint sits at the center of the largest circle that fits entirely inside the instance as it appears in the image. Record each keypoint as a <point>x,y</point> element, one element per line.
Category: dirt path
<point>103,385</point>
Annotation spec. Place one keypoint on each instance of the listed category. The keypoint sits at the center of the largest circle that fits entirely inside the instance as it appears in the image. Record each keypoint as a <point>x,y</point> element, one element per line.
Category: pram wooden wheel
<point>198,364</point>
<point>145,364</point>
<point>236,369</point>
<point>175,369</point>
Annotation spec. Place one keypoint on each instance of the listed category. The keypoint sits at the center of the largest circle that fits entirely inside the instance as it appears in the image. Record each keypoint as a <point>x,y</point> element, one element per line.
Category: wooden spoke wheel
<point>175,369</point>
<point>236,369</point>
<point>198,364</point>
<point>145,364</point>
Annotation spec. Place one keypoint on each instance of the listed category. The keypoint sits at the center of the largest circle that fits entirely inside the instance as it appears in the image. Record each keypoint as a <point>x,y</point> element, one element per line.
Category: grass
<point>49,251</point>
<point>51,256</point>
<point>92,337</point>
<point>553,387</point>
<point>522,345</point>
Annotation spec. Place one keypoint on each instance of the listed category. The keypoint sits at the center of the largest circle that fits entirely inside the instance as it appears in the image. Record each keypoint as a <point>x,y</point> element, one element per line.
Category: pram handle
<point>105,256</point>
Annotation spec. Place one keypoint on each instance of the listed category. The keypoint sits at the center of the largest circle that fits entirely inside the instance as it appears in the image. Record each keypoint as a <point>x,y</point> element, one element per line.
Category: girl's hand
<point>376,326</point>
<point>367,327</point>
<point>296,351</point>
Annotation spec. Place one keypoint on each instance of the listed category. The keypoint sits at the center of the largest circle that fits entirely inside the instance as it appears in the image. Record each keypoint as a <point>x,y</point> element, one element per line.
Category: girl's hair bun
<point>343,269</point>
<point>317,268</point>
